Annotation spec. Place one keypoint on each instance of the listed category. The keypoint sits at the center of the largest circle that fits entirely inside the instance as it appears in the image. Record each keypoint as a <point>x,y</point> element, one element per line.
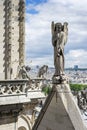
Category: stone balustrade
<point>21,86</point>
<point>38,83</point>
<point>20,91</point>
<point>13,87</point>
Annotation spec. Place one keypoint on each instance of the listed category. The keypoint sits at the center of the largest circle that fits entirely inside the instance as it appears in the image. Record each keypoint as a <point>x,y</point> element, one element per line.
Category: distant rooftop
<point>77,69</point>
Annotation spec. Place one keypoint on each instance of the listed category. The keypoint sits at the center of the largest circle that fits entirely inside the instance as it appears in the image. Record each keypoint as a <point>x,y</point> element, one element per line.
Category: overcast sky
<point>40,14</point>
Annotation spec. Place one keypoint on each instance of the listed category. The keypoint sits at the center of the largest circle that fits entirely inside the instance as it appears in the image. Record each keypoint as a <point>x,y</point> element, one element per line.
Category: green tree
<point>77,87</point>
<point>46,90</point>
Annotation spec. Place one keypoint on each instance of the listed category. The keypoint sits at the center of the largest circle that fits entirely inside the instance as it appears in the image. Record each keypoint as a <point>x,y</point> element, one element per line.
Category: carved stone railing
<point>38,83</point>
<point>13,87</point>
<point>22,86</point>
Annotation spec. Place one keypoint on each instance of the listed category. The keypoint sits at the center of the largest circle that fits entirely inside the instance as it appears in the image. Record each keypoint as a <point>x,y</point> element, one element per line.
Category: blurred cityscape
<point>75,74</point>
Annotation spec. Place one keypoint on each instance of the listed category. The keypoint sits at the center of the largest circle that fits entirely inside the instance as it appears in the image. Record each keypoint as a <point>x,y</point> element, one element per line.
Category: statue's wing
<point>65,29</point>
<point>52,27</point>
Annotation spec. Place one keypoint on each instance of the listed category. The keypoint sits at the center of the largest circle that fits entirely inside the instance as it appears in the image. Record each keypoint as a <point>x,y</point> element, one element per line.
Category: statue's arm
<point>54,39</point>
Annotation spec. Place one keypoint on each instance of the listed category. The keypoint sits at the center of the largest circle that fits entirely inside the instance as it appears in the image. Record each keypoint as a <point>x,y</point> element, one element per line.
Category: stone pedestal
<point>60,79</point>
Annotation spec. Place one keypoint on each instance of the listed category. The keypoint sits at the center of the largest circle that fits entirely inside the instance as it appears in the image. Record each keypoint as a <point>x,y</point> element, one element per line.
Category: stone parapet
<point>19,91</point>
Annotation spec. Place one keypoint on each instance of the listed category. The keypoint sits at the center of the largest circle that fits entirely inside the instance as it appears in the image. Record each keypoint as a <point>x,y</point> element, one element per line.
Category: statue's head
<point>65,23</point>
<point>58,27</point>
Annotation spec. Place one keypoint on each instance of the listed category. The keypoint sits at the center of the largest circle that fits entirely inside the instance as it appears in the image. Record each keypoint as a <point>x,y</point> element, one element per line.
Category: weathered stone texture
<point>60,111</point>
<point>56,117</point>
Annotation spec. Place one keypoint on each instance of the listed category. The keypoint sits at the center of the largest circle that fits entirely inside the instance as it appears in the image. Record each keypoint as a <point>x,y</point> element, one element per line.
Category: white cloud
<point>38,28</point>
<point>47,60</point>
<point>76,57</point>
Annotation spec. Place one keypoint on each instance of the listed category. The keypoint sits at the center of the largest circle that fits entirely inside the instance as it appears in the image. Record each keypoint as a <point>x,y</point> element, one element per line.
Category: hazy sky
<point>40,14</point>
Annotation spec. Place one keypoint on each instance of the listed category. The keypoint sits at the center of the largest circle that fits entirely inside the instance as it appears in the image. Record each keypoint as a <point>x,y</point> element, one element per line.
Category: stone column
<point>21,32</point>
<point>8,15</point>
